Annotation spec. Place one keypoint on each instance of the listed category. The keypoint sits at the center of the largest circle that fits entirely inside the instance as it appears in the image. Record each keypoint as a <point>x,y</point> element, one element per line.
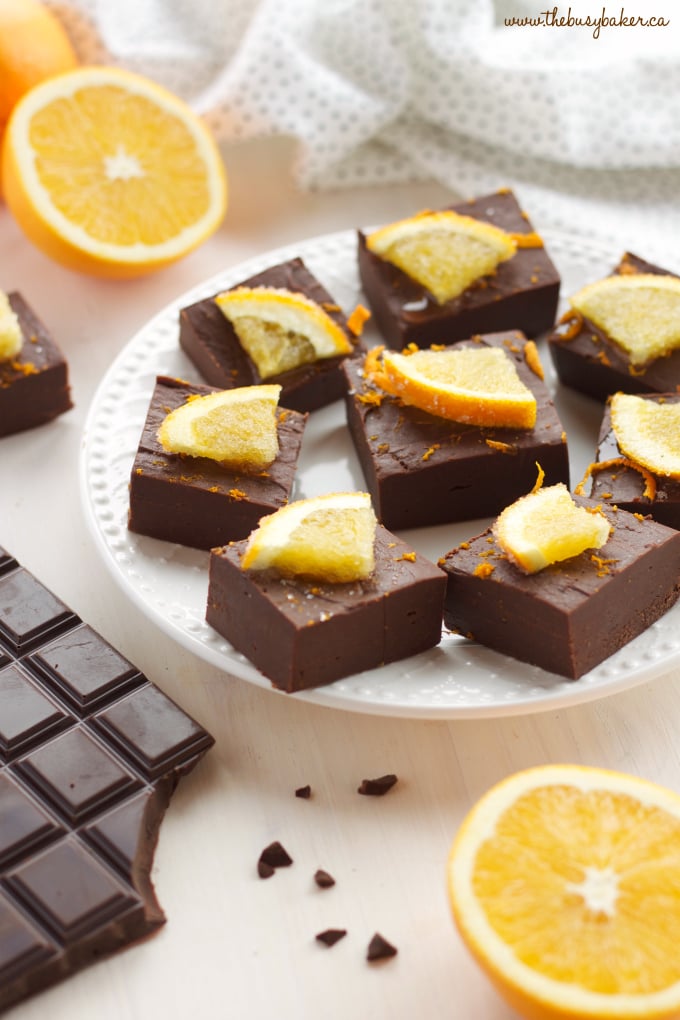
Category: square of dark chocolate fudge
<point>572,615</point>
<point>521,294</point>
<point>34,386</point>
<point>197,501</point>
<point>586,359</point>
<point>423,470</point>
<point>211,342</point>
<point>625,486</point>
<point>304,634</point>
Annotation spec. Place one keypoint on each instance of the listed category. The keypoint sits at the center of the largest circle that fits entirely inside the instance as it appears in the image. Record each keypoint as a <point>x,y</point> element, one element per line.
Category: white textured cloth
<point>577,107</point>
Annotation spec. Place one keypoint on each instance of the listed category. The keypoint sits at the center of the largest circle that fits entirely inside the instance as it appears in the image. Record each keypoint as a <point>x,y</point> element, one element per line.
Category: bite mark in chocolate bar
<point>90,754</point>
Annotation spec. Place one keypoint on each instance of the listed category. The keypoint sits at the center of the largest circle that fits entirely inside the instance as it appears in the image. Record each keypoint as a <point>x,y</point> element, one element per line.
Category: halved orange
<point>473,385</point>
<point>547,526</point>
<point>236,427</point>
<point>281,329</point>
<point>639,311</point>
<point>563,882</point>
<point>325,538</point>
<point>648,432</point>
<point>444,251</point>
<point>111,174</point>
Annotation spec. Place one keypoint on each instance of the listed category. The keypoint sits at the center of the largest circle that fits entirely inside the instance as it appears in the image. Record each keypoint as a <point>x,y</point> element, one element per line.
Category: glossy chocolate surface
<point>521,294</point>
<point>423,470</point>
<point>210,340</point>
<point>90,753</point>
<point>572,615</point>
<point>196,501</point>
<point>34,386</point>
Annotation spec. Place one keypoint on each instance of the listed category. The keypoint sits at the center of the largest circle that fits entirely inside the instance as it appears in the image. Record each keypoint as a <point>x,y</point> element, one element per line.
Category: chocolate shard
<point>331,935</point>
<point>305,792</point>
<point>380,949</point>
<point>377,787</point>
<point>90,754</point>
<point>323,879</point>
<point>264,870</point>
<point>275,856</point>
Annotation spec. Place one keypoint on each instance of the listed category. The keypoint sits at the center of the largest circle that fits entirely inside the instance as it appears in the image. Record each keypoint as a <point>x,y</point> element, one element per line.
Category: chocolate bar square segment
<point>196,501</point>
<point>623,486</point>
<point>588,360</point>
<point>211,342</point>
<point>27,715</point>
<point>521,294</point>
<point>423,470</point>
<point>302,634</point>
<point>25,826</point>
<point>24,947</point>
<point>151,732</point>
<point>83,668</point>
<point>29,612</point>
<point>570,616</point>
<point>7,562</point>
<point>76,775</point>
<point>34,386</point>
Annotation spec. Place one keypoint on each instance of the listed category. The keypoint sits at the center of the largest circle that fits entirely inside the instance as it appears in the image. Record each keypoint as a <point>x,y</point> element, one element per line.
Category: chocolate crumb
<point>273,856</point>
<point>304,791</point>
<point>377,787</point>
<point>331,935</point>
<point>380,949</point>
<point>323,879</point>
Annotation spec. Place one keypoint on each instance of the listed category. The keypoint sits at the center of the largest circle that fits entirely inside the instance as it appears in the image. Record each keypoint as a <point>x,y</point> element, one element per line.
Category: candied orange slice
<point>236,427</point>
<point>10,330</point>
<point>547,526</point>
<point>563,885</point>
<point>325,538</point>
<point>472,385</point>
<point>443,251</point>
<point>280,329</point>
<point>648,432</point>
<point>640,312</point>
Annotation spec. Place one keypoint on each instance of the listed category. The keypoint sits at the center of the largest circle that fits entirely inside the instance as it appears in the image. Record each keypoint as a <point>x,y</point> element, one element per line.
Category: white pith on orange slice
<point>472,385</point>
<point>110,174</point>
<point>563,882</point>
<point>11,340</point>
<point>280,329</point>
<point>547,526</point>
<point>444,251</point>
<point>325,538</point>
<point>638,311</point>
<point>648,432</point>
<point>235,427</point>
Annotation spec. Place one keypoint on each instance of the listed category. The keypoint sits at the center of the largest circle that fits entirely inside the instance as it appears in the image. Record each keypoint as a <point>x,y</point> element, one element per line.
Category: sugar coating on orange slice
<point>472,385</point>
<point>280,329</point>
<point>235,427</point>
<point>647,432</point>
<point>10,331</point>
<point>328,538</point>
<point>638,311</point>
<point>562,881</point>
<point>445,252</point>
<point>547,526</point>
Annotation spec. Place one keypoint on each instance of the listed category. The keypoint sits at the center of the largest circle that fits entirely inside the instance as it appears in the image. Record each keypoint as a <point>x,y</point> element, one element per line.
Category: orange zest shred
<point>573,324</point>
<point>539,478</point>
<point>533,359</point>
<point>237,494</point>
<point>496,444</point>
<point>357,319</point>
<point>484,569</point>
<point>430,451</point>
<point>649,491</point>
<point>371,397</point>
<point>528,240</point>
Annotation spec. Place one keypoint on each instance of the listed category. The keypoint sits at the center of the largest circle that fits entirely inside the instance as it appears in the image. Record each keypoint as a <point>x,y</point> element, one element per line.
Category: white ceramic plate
<point>169,582</point>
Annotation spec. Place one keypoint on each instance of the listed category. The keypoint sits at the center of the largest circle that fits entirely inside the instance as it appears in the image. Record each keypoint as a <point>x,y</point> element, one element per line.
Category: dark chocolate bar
<point>90,754</point>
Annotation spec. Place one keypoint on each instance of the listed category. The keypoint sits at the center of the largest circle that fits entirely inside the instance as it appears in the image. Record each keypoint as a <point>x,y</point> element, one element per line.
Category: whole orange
<point>33,46</point>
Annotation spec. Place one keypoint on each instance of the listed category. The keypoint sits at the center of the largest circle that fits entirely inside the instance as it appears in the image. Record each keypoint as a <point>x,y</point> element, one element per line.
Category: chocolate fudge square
<point>34,386</point>
<point>572,615</point>
<point>586,359</point>
<point>521,294</point>
<point>423,470</point>
<point>624,486</point>
<point>305,634</point>
<point>196,501</point>
<point>210,340</point>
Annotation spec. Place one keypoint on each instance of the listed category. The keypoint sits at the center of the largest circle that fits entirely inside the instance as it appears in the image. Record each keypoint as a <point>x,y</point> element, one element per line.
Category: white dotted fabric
<point>584,124</point>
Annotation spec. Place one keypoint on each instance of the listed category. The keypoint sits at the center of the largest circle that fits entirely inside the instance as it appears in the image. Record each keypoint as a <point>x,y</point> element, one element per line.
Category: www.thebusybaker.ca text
<point>554,19</point>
